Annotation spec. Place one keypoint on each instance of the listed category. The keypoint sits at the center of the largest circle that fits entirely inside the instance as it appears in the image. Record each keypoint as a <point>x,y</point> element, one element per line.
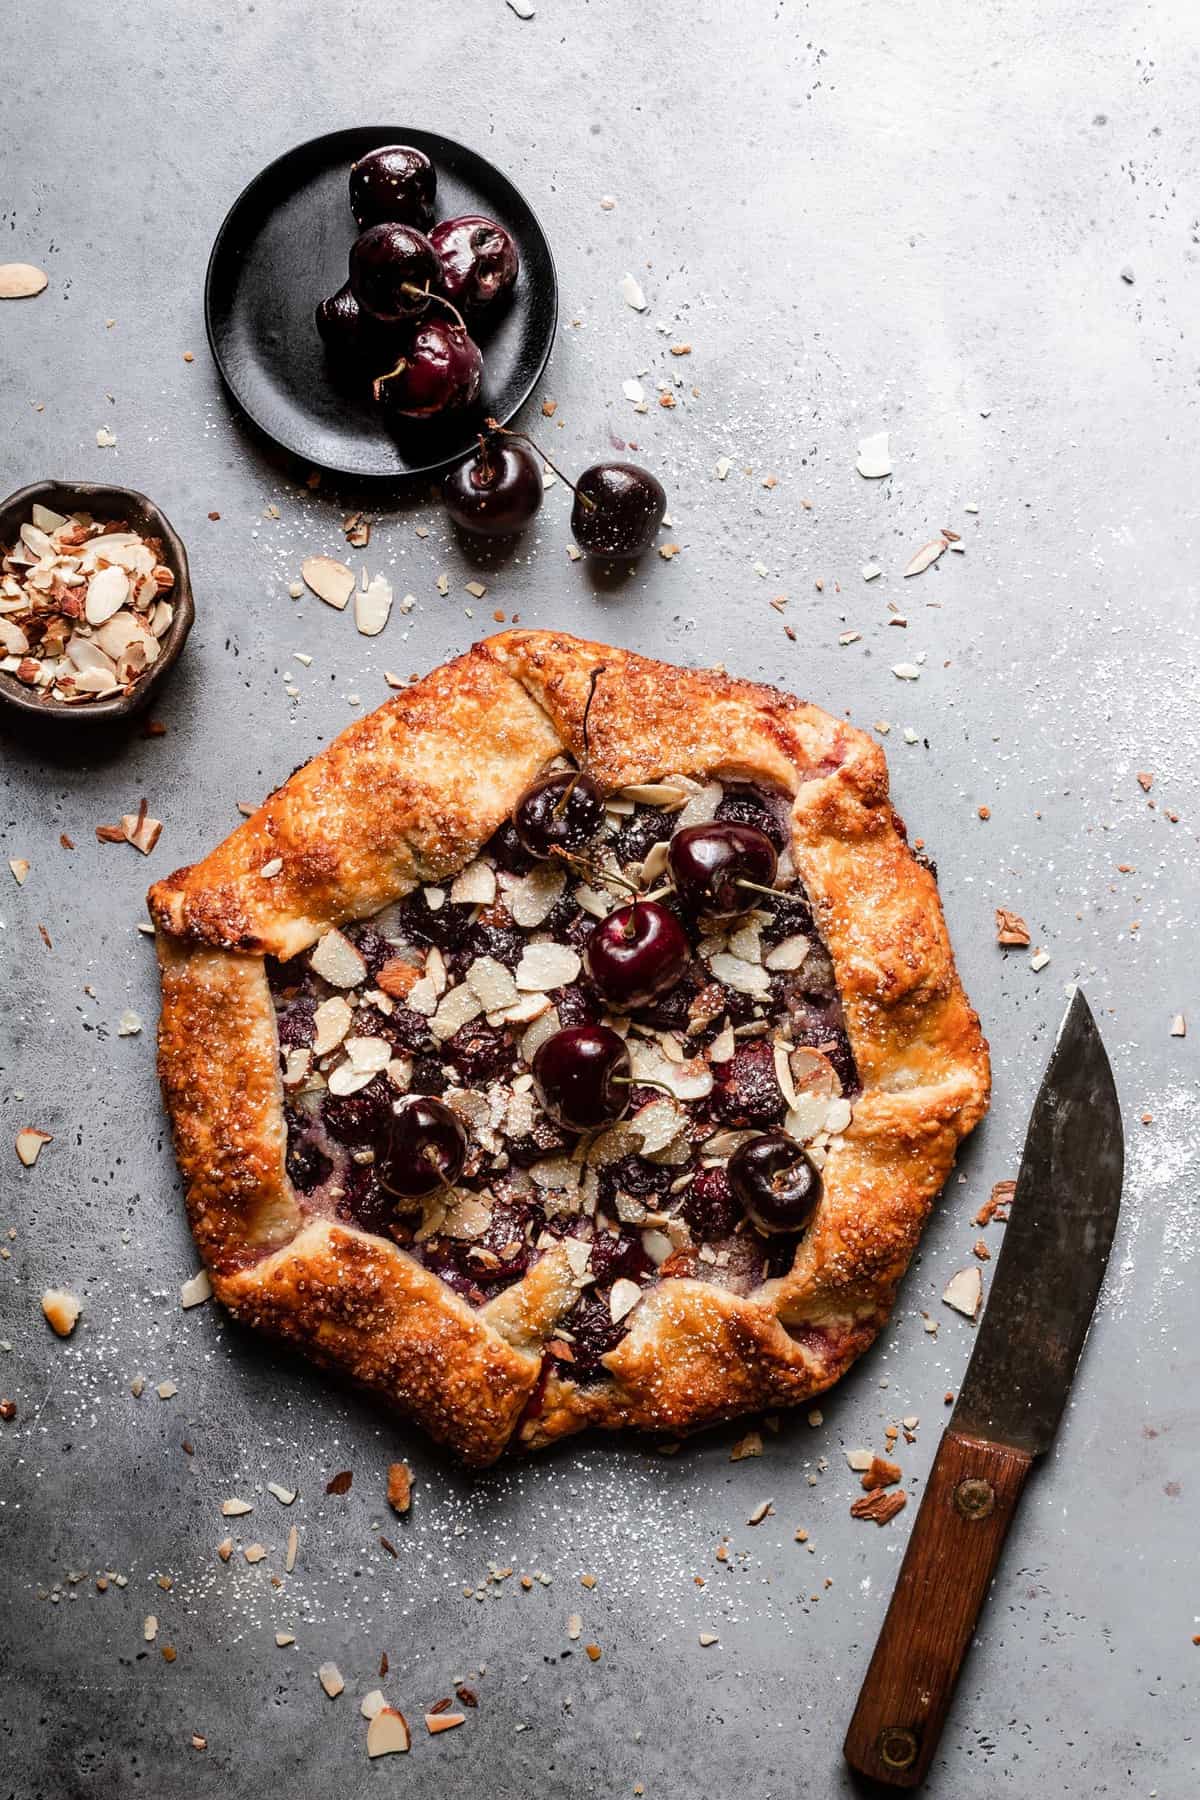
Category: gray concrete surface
<point>861,216</point>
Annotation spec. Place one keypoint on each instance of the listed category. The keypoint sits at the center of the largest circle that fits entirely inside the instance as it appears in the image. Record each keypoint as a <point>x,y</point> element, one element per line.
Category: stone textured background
<point>862,216</point>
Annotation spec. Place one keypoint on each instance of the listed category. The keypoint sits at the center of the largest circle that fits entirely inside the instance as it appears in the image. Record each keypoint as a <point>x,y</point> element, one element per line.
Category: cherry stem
<point>596,674</point>
<point>644,1081</point>
<point>486,468</point>
<point>425,293</point>
<point>605,877</point>
<point>756,887</point>
<point>379,380</point>
<point>495,425</point>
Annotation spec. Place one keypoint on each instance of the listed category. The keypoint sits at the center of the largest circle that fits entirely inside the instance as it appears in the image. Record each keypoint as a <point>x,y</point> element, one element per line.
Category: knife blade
<point>1061,1224</point>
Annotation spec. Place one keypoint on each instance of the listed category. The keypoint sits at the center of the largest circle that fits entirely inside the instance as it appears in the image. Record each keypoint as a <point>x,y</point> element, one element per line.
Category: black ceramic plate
<point>283,248</point>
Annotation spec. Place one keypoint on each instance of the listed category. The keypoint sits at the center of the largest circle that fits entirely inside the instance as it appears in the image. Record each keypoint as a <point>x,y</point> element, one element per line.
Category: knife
<point>1061,1222</point>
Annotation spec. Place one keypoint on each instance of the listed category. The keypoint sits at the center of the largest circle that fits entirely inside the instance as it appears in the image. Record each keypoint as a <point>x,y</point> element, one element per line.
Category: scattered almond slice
<point>62,1310</point>
<point>20,869</point>
<point>254,1553</point>
<point>284,1638</point>
<point>293,1545</point>
<point>330,1677</point>
<point>235,1509</point>
<point>388,1733</point>
<point>225,1549</point>
<point>435,1722</point>
<point>964,1292</point>
<point>328,579</point>
<point>761,1511</point>
<point>372,606</point>
<point>874,457</point>
<point>925,556</point>
<point>371,1703</point>
<point>20,281</point>
<point>332,1020</point>
<point>632,294</point>
<point>860,1460</point>
<point>29,1144</point>
<point>149,1628</point>
<point>574,1626</point>
<point>708,1639</point>
<point>196,1291</point>
<point>285,1496</point>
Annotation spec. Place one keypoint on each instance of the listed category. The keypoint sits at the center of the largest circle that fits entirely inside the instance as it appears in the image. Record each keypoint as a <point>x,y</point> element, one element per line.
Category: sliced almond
<point>20,281</point>
<point>874,457</point>
<point>236,1509</point>
<point>964,1292</point>
<point>455,1009</point>
<point>546,966</point>
<point>388,1733</point>
<point>787,955</point>
<point>372,606</point>
<point>62,1310</point>
<point>655,793</point>
<point>20,869</point>
<point>369,1055</point>
<point>927,554</point>
<point>492,984</point>
<point>623,1297</point>
<point>328,579</point>
<point>532,898</point>
<point>196,1291</point>
<point>435,1722</point>
<point>371,1703</point>
<point>332,1020</point>
<point>330,1677</point>
<point>107,593</point>
<point>474,886</point>
<point>743,977</point>
<point>335,959</point>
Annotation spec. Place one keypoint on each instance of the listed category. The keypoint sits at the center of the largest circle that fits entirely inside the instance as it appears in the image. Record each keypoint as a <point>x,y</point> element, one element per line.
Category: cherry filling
<point>478,1075</point>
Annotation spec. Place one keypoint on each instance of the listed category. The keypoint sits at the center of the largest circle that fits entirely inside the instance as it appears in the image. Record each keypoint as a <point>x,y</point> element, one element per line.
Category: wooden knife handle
<point>952,1554</point>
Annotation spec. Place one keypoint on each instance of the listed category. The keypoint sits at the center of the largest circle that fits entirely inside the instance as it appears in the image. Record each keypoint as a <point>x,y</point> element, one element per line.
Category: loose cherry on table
<point>776,1181</point>
<point>479,261</point>
<point>392,270</point>
<point>440,371</point>
<point>393,185</point>
<point>721,868</point>
<point>618,509</point>
<point>582,1076</point>
<point>636,954</point>
<point>497,491</point>
<point>425,1150</point>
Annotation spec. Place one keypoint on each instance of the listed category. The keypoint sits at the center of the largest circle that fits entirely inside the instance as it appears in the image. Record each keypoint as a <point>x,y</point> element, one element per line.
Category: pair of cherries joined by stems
<point>497,491</point>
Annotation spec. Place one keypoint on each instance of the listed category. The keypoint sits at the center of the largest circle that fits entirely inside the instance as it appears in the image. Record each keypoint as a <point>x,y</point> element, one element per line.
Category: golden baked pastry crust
<point>409,795</point>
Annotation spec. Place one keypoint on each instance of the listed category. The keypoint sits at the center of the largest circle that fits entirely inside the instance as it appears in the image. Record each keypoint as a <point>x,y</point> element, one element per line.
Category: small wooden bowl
<point>141,515</point>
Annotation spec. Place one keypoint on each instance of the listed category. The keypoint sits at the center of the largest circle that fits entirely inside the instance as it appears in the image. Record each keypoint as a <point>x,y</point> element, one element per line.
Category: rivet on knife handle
<point>952,1554</point>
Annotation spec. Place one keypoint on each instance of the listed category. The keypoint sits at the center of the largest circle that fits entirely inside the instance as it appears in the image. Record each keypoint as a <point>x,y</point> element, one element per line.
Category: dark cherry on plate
<point>618,509</point>
<point>560,811</point>
<point>393,185</point>
<point>358,344</point>
<point>776,1181</point>
<point>439,372</point>
<point>708,862</point>
<point>637,953</point>
<point>392,269</point>
<point>497,491</point>
<point>425,1149</point>
<point>582,1076</point>
<point>479,261</point>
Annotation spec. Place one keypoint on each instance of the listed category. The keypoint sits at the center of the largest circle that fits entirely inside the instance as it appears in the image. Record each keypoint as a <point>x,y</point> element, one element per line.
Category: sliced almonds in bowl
<point>95,600</point>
